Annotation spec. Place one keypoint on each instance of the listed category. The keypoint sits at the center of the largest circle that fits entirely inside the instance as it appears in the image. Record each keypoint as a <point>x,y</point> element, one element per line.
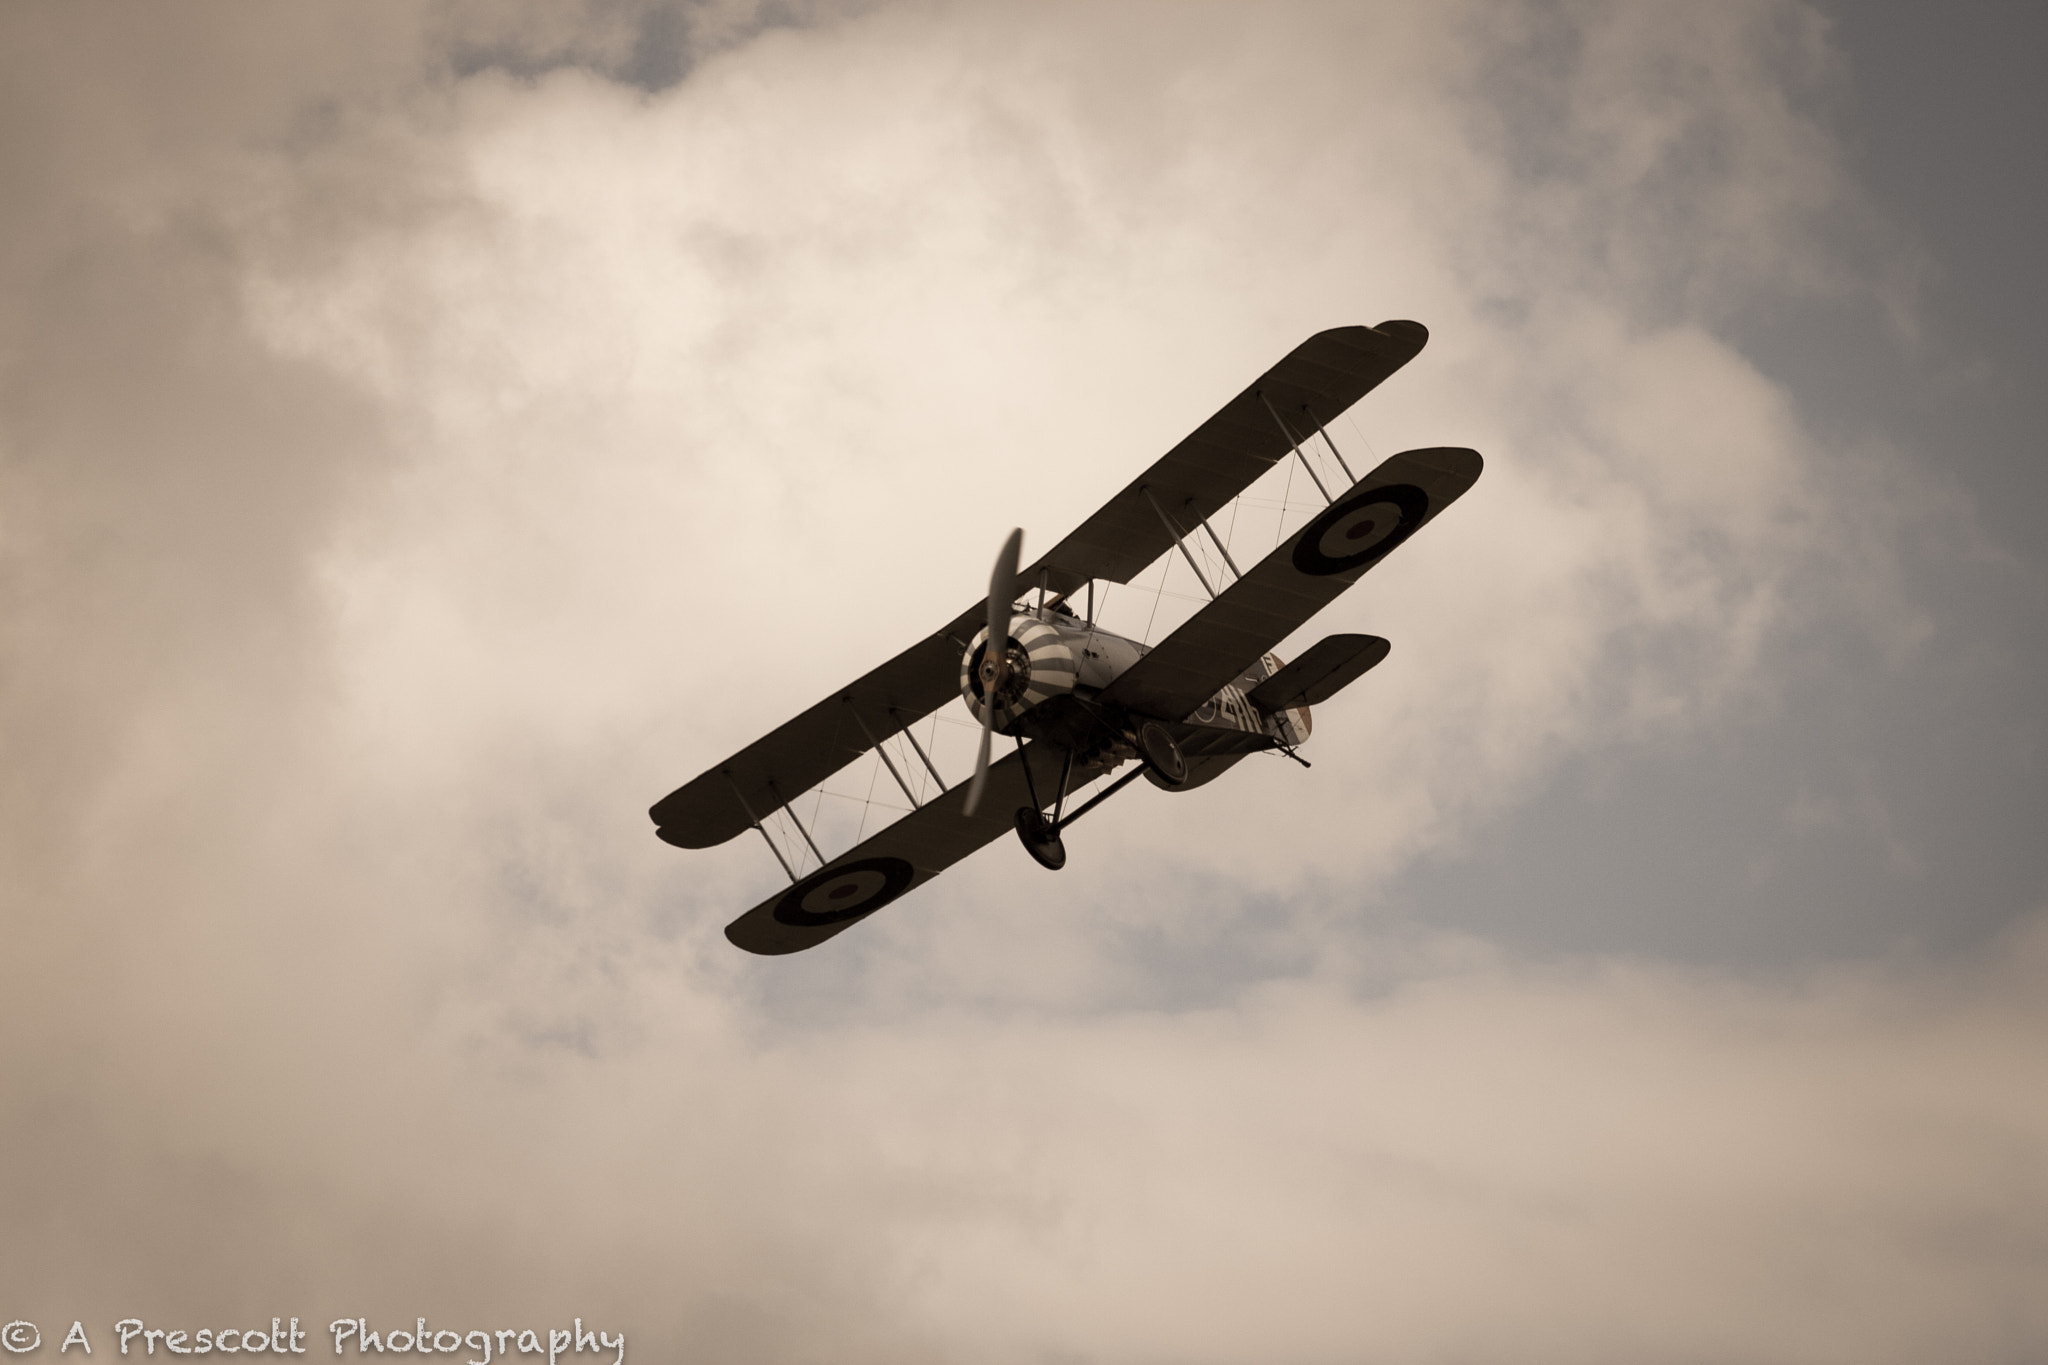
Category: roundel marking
<point>1358,530</point>
<point>838,894</point>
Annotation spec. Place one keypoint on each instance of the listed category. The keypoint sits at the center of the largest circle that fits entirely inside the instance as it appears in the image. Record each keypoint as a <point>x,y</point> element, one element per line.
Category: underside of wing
<point>902,857</point>
<point>722,802</point>
<point>1328,667</point>
<point>1318,380</point>
<point>1295,582</point>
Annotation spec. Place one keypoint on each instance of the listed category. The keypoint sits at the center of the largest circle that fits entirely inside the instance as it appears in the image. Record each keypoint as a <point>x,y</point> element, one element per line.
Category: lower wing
<point>1293,583</point>
<point>904,856</point>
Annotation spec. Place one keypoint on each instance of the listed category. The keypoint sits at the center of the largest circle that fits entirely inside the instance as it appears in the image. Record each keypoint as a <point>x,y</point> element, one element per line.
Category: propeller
<point>995,656</point>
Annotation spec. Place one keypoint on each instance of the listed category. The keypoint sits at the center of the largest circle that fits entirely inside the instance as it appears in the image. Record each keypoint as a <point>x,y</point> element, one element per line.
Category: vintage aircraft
<point>1078,700</point>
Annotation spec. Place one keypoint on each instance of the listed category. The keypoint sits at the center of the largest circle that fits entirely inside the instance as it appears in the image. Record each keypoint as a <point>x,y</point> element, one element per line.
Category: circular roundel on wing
<point>1358,530</point>
<point>838,894</point>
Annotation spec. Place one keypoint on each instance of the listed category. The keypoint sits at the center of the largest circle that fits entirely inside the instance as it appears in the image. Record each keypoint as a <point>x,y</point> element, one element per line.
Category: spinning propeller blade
<point>995,655</point>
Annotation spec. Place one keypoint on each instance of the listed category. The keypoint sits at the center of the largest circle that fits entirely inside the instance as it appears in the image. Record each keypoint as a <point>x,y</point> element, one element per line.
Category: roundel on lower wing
<point>838,894</point>
<point>1358,530</point>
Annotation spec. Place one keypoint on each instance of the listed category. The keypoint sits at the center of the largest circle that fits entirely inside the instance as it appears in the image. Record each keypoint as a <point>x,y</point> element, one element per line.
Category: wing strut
<point>1174,531</point>
<point>755,820</point>
<point>790,811</point>
<point>1328,442</point>
<point>886,761</point>
<point>1297,448</point>
<point>1223,550</point>
<point>907,734</point>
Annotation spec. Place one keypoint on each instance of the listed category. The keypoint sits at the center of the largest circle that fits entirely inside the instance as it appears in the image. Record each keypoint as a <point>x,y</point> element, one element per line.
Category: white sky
<point>427,437</point>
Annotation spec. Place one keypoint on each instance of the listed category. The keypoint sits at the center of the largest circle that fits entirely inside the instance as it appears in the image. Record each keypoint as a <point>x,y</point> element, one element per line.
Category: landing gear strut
<point>1040,835</point>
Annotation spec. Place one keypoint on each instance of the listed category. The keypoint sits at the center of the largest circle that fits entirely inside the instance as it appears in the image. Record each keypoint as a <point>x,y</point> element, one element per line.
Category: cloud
<point>423,446</point>
<point>1492,1160</point>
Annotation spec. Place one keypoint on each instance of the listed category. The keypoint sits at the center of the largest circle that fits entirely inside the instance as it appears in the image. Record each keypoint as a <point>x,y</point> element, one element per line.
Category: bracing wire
<point>1286,497</point>
<point>868,802</point>
<point>1360,434</point>
<point>1157,593</point>
<point>817,805</point>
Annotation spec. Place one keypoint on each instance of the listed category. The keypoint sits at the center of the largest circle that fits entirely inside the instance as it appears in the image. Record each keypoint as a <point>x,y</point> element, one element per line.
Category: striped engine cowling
<point>1042,667</point>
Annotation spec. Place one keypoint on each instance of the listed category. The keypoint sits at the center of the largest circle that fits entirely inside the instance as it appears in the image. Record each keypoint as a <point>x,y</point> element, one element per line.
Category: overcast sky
<point>429,435</point>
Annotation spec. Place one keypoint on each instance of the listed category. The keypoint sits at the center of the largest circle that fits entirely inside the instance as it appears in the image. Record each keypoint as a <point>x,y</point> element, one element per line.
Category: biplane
<point>1078,700</point>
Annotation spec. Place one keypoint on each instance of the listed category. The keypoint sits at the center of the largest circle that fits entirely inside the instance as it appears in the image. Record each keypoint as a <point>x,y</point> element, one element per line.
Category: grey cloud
<point>423,445</point>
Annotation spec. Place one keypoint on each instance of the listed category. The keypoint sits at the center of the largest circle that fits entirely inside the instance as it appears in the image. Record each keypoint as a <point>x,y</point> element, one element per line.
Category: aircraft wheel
<point>1041,839</point>
<point>1162,755</point>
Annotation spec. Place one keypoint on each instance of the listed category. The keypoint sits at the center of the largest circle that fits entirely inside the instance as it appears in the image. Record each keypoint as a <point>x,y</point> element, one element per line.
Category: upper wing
<point>907,854</point>
<point>798,755</point>
<point>1323,376</point>
<point>1294,582</point>
<point>1318,380</point>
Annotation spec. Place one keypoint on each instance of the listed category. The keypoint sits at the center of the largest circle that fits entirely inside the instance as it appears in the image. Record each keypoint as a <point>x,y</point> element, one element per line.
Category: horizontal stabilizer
<point>1331,665</point>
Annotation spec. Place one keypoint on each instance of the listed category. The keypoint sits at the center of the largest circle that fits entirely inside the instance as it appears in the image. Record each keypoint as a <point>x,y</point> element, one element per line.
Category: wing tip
<point>1411,334</point>
<point>735,935</point>
<point>1461,462</point>
<point>771,939</point>
<point>698,815</point>
<point>1407,338</point>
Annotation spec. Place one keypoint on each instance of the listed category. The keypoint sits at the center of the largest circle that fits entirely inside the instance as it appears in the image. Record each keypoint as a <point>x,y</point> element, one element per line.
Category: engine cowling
<point>1042,666</point>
